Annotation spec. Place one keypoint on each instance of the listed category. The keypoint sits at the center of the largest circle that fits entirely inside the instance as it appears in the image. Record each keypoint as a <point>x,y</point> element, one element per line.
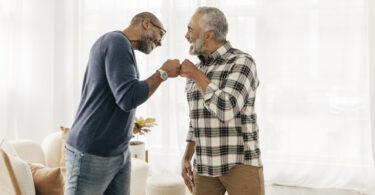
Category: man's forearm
<point>153,83</point>
<point>202,81</point>
<point>189,151</point>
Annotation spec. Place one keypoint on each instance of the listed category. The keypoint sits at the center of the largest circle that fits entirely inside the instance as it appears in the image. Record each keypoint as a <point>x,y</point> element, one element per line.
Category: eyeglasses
<point>163,31</point>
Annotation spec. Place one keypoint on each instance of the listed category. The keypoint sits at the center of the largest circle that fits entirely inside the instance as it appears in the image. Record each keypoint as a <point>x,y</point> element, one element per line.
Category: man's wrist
<point>187,158</point>
<point>163,74</point>
<point>196,74</point>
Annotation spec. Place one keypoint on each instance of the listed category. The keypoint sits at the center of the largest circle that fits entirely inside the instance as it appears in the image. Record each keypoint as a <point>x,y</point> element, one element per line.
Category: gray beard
<point>198,46</point>
<point>145,44</point>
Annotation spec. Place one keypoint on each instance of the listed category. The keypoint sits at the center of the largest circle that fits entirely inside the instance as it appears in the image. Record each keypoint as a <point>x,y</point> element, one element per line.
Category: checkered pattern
<point>223,121</point>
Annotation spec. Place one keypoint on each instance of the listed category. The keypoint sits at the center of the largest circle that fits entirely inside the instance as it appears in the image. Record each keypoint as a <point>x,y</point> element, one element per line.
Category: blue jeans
<point>90,174</point>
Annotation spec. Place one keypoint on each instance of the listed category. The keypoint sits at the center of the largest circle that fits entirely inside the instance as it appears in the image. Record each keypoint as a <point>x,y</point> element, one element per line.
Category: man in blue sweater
<point>97,154</point>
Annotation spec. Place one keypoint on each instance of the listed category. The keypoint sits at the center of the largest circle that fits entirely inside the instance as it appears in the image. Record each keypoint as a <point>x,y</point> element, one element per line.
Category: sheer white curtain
<point>371,57</point>
<point>27,60</point>
<point>314,102</point>
<point>38,76</point>
<point>313,62</point>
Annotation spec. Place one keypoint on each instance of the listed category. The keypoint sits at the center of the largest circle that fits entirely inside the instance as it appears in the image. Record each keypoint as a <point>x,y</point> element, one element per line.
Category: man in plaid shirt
<point>223,130</point>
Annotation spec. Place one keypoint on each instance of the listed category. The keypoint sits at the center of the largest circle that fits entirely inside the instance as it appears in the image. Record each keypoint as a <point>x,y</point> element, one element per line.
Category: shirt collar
<point>219,52</point>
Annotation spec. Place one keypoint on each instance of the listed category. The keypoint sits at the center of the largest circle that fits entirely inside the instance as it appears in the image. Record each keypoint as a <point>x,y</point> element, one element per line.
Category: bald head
<point>139,18</point>
<point>145,32</point>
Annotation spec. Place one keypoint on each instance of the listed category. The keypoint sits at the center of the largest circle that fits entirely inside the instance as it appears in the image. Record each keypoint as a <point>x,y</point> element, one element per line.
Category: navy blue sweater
<point>111,93</point>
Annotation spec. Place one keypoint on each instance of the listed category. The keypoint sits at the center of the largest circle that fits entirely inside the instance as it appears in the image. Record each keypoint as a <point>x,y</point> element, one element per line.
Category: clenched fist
<point>172,67</point>
<point>188,69</point>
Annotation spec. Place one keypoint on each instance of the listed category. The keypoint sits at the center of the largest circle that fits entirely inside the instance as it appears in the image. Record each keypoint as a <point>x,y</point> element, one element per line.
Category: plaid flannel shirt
<point>223,121</point>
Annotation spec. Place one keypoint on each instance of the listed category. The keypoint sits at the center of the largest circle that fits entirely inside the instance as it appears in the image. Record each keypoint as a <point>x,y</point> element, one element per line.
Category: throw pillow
<point>8,180</point>
<point>64,134</point>
<point>47,180</point>
<point>8,148</point>
<point>22,175</point>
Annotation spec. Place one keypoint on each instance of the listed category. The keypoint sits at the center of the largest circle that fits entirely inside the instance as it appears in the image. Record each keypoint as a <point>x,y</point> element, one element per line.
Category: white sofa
<point>49,152</point>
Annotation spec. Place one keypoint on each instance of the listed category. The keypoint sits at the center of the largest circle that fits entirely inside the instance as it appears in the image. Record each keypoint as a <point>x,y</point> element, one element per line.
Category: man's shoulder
<point>239,57</point>
<point>114,35</point>
<point>115,38</point>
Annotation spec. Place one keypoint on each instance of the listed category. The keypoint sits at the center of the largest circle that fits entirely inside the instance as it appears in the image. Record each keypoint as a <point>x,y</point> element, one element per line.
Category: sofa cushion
<point>22,174</point>
<point>8,148</point>
<point>47,180</point>
<point>8,182</point>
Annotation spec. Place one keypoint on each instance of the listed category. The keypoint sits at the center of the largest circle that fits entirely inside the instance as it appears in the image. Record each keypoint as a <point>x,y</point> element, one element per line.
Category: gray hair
<point>137,19</point>
<point>214,20</point>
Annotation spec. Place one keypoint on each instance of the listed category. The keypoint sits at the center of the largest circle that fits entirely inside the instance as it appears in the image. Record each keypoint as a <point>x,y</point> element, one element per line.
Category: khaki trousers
<point>239,180</point>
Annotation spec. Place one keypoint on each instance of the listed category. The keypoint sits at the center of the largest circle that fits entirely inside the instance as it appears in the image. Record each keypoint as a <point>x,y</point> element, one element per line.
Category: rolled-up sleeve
<point>190,135</point>
<point>226,102</point>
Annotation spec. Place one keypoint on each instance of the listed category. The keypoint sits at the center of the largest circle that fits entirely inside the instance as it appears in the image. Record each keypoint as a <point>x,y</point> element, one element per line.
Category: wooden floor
<point>285,190</point>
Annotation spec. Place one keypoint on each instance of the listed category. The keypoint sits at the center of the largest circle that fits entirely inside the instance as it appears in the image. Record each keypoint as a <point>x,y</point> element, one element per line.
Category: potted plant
<point>141,128</point>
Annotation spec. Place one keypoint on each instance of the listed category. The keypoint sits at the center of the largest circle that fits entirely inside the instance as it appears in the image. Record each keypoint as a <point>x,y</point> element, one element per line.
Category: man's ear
<point>209,35</point>
<point>146,23</point>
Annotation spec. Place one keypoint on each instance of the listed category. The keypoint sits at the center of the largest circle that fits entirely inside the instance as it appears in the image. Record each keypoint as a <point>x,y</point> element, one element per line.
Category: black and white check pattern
<point>223,121</point>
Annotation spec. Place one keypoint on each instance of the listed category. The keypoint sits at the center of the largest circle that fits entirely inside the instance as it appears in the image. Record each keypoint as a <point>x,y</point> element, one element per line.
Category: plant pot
<point>137,149</point>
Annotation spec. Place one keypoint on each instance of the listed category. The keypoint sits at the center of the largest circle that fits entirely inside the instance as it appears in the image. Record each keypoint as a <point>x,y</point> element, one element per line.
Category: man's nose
<point>157,43</point>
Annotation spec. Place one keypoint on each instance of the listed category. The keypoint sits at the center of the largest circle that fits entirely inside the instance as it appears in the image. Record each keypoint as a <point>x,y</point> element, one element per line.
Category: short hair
<point>137,19</point>
<point>214,19</point>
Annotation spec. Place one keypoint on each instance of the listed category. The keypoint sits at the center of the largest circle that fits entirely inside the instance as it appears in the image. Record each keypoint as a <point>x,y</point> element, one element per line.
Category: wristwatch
<point>163,74</point>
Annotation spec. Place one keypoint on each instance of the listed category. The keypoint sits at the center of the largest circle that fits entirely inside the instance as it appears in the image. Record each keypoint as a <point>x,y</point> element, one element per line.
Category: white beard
<point>197,47</point>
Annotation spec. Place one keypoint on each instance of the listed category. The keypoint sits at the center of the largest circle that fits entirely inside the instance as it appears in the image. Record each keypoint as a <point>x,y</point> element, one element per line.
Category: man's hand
<point>187,174</point>
<point>188,69</point>
<point>172,67</point>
